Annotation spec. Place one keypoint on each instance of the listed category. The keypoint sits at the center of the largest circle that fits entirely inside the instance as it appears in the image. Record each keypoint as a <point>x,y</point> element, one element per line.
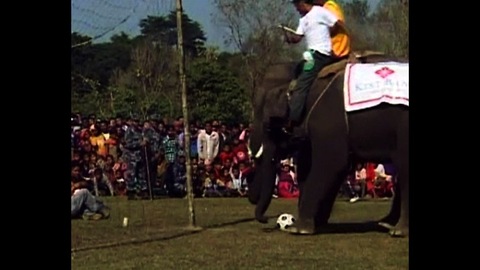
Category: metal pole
<point>186,126</point>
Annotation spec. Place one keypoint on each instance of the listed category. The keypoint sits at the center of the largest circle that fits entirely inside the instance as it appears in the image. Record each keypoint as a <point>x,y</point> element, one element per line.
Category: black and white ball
<point>284,221</point>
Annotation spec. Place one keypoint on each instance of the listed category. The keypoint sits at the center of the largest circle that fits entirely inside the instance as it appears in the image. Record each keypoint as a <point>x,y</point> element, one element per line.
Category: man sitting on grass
<point>84,204</point>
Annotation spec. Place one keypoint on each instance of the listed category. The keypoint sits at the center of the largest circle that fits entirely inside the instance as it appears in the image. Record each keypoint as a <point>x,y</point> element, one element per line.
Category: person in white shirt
<point>315,26</point>
<point>208,143</point>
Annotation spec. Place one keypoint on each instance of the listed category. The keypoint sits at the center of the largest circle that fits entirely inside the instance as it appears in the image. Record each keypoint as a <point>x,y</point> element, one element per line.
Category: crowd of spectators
<point>220,163</point>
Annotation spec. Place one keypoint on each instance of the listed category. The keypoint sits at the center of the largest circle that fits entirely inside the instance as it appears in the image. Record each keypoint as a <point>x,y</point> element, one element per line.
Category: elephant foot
<point>398,233</point>
<point>299,231</point>
<point>388,222</point>
<point>302,227</point>
<point>386,225</point>
<point>262,219</point>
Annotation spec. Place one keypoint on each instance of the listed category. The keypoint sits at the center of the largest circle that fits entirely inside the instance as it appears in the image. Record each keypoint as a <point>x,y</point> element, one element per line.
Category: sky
<point>95,17</point>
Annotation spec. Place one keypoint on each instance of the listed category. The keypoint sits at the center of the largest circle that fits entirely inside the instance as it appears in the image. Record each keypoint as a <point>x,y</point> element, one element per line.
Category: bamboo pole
<point>186,125</point>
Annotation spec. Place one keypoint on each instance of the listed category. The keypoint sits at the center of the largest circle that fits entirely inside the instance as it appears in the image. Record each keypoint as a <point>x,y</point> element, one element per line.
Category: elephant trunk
<point>264,181</point>
<point>255,143</point>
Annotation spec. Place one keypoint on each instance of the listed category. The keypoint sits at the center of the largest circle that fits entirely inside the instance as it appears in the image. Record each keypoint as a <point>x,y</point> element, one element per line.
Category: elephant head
<point>270,109</point>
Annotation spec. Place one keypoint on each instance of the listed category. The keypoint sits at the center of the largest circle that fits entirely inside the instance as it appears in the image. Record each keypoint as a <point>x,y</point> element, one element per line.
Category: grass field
<point>157,238</point>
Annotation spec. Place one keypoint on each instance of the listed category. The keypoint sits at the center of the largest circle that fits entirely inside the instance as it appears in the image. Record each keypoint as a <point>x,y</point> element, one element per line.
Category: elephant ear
<point>276,104</point>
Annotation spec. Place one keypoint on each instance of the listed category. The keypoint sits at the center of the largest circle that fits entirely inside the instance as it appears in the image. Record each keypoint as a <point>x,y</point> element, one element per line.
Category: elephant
<point>335,139</point>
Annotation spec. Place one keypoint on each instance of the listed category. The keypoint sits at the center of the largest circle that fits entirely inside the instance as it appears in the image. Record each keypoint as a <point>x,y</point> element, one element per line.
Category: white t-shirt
<point>315,26</point>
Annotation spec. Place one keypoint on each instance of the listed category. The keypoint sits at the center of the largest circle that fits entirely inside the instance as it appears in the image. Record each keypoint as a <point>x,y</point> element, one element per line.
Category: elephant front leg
<point>319,189</point>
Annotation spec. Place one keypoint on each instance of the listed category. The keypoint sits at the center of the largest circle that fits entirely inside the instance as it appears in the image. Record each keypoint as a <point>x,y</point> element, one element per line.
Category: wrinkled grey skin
<point>379,134</point>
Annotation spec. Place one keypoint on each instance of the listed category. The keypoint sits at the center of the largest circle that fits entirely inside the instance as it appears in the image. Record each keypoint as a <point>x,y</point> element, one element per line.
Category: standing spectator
<point>132,157</point>
<point>151,152</point>
<point>208,143</point>
<point>171,147</point>
<point>193,141</point>
<point>98,141</point>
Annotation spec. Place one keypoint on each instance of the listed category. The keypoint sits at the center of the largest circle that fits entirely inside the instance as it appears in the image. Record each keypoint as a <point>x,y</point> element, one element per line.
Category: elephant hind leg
<point>393,216</point>
<point>401,159</point>
<point>401,228</point>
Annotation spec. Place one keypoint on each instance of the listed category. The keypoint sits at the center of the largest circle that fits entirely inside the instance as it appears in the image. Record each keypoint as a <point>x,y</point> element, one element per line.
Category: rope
<point>318,99</point>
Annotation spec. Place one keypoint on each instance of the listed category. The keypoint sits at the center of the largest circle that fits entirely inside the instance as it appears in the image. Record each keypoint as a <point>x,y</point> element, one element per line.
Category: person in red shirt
<point>226,153</point>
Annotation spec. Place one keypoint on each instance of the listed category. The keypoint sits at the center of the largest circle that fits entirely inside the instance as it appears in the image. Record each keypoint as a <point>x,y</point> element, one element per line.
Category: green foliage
<point>98,61</point>
<point>132,75</point>
<point>215,93</point>
<point>164,30</point>
<point>392,21</point>
<point>149,85</point>
<point>383,29</point>
<point>140,74</point>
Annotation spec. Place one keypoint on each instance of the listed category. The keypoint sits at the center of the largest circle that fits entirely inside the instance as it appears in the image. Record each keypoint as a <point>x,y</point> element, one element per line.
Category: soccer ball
<point>284,221</point>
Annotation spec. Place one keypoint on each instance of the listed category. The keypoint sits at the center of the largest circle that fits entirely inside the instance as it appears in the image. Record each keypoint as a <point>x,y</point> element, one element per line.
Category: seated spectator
<point>226,153</point>
<point>208,177</point>
<point>102,184</point>
<point>76,156</point>
<point>227,164</point>
<point>245,168</point>
<point>239,150</point>
<point>351,188</point>
<point>217,168</point>
<point>239,181</point>
<point>197,180</point>
<point>83,203</point>
<point>383,185</point>
<point>370,179</point>
<point>287,187</point>
<point>119,185</point>
<point>360,178</point>
<point>224,183</point>
<point>100,162</point>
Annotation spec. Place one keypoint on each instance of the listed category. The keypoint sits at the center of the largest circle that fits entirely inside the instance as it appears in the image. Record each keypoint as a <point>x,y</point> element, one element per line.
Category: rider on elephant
<point>340,39</point>
<point>316,25</point>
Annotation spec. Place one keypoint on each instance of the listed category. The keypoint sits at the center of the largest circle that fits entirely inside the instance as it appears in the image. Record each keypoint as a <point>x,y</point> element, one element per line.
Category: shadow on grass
<point>184,232</point>
<point>357,227</point>
<point>345,228</point>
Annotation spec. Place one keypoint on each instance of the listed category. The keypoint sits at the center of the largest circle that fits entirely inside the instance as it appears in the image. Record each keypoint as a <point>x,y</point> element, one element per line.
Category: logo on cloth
<point>384,72</point>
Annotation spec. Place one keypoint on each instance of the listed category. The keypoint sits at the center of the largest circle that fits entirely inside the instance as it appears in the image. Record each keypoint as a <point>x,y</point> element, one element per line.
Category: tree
<point>215,93</point>
<point>164,29</point>
<point>149,85</point>
<point>360,25</point>
<point>392,20</point>
<point>97,61</point>
<point>252,28</point>
<point>384,29</point>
